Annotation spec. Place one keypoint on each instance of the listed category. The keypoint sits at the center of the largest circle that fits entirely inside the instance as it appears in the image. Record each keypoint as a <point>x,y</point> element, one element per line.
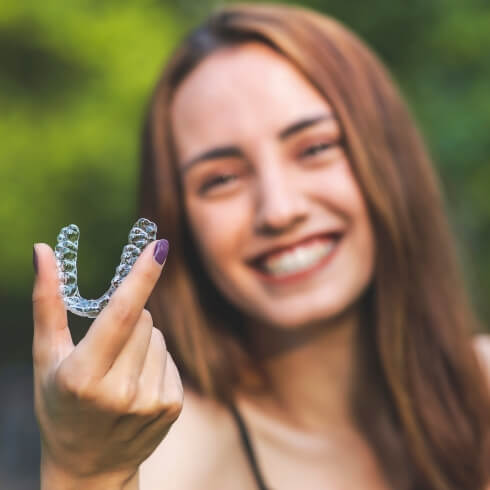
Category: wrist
<point>55,478</point>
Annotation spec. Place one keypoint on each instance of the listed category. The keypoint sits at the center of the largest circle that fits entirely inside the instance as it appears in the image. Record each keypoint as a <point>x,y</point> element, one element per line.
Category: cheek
<point>362,241</point>
<point>337,189</point>
<point>219,228</point>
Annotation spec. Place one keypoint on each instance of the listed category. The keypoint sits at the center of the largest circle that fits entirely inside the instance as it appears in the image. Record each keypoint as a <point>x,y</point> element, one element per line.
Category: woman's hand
<point>105,404</point>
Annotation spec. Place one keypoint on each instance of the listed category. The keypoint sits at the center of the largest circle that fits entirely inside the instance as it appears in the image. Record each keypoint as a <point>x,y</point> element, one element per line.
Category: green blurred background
<point>74,81</point>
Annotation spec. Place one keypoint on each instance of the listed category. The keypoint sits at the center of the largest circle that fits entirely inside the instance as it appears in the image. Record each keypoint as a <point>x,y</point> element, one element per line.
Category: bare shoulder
<point>199,451</point>
<point>482,348</point>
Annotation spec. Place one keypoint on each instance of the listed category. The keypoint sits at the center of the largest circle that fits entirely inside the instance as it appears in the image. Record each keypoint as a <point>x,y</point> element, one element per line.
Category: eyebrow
<point>234,151</point>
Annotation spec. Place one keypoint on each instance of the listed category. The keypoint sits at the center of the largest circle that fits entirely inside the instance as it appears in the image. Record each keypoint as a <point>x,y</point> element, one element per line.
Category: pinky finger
<point>171,400</point>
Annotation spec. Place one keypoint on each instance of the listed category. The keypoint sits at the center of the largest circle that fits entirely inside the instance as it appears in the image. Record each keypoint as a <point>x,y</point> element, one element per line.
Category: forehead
<point>239,93</point>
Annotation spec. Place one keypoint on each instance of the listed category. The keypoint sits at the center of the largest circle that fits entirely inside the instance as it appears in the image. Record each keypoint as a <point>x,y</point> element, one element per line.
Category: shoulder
<point>481,344</point>
<point>201,449</point>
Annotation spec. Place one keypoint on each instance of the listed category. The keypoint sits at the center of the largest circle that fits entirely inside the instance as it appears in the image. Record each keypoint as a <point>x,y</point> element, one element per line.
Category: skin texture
<point>276,193</point>
<point>273,191</point>
<point>118,384</point>
<point>268,192</point>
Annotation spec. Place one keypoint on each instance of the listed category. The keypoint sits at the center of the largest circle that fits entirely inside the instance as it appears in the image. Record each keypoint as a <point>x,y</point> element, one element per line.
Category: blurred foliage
<point>75,78</point>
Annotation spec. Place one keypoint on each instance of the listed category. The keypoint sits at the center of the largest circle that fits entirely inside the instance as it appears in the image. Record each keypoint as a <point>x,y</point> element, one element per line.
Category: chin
<point>324,301</point>
<point>303,316</point>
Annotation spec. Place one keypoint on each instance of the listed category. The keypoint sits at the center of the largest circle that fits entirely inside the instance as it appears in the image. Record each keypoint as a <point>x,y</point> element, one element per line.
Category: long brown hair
<point>420,397</point>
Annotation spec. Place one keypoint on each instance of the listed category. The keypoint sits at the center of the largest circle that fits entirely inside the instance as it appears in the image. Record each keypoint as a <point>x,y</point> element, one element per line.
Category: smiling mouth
<point>298,261</point>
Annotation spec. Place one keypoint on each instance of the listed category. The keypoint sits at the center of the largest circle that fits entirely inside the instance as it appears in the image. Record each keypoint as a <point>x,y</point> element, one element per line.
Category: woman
<point>312,299</point>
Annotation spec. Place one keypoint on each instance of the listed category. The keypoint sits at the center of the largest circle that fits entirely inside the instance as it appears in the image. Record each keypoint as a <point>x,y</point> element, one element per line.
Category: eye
<point>316,149</point>
<point>216,181</point>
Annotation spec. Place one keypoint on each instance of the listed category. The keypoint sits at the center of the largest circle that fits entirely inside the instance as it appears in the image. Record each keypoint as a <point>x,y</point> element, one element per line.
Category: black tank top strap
<point>247,446</point>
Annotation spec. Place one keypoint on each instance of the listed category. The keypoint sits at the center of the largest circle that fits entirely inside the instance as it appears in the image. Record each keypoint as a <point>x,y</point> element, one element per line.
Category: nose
<point>280,203</point>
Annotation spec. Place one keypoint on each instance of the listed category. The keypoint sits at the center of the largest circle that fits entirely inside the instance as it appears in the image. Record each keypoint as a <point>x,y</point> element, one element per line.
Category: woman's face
<point>273,205</point>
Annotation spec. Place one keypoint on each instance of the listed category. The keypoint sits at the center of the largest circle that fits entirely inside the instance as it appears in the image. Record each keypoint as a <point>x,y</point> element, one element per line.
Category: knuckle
<point>64,381</point>
<point>41,295</point>
<point>39,292</point>
<point>146,317</point>
<point>148,409</point>
<point>157,336</point>
<point>172,410</point>
<point>148,275</point>
<point>77,386</point>
<point>121,399</point>
<point>64,384</point>
<point>123,312</point>
<point>37,296</point>
<point>171,404</point>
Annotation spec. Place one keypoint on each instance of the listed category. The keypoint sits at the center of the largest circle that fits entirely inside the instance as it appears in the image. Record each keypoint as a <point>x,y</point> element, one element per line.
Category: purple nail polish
<point>161,251</point>
<point>34,259</point>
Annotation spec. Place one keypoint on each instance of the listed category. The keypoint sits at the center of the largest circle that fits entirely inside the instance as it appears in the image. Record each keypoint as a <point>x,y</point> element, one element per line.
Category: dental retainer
<point>142,233</point>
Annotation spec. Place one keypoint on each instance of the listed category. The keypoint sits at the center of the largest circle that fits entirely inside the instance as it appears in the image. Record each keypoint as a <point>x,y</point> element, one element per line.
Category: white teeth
<point>298,259</point>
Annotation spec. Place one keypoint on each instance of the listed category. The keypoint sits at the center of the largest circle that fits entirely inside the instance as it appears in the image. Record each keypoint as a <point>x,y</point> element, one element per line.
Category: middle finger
<point>124,373</point>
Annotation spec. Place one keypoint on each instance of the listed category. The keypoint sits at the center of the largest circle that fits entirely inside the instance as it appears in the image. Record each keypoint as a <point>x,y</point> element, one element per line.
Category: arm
<point>56,479</point>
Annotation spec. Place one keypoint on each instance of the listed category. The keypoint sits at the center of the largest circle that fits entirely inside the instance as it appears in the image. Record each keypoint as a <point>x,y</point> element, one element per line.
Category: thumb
<point>52,338</point>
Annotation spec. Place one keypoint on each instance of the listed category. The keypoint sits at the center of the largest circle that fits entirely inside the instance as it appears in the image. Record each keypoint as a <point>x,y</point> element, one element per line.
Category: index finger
<point>112,328</point>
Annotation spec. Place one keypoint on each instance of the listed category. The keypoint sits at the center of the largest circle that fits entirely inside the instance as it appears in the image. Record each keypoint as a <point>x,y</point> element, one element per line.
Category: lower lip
<point>301,275</point>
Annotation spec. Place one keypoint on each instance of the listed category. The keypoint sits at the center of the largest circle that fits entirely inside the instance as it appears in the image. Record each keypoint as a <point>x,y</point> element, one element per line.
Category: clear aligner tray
<point>142,233</point>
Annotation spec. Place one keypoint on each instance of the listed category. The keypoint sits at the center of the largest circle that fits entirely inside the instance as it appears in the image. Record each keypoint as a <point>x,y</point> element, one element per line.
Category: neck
<point>309,371</point>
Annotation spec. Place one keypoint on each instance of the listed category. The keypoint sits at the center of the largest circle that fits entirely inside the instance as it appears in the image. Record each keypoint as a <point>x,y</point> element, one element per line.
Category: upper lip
<point>292,243</point>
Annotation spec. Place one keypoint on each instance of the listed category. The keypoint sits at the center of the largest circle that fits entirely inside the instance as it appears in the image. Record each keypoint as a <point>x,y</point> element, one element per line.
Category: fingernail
<point>161,251</point>
<point>34,259</point>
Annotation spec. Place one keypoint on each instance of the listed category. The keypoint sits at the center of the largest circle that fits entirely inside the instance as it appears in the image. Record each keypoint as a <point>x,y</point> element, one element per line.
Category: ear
<point>481,344</point>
